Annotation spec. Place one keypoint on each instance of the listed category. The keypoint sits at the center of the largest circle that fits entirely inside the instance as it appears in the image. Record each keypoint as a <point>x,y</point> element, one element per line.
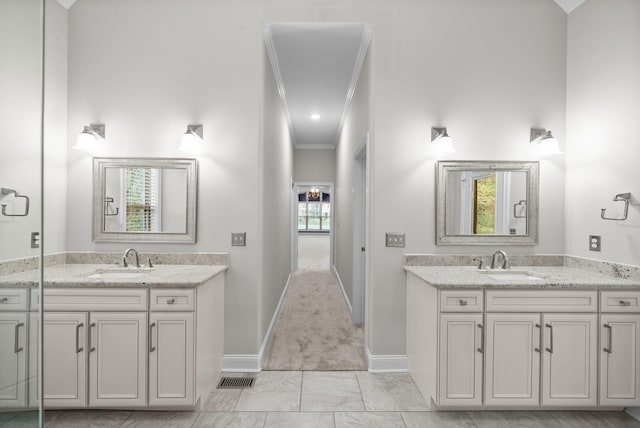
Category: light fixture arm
<point>195,130</point>
<point>620,197</point>
<point>437,133</point>
<point>95,129</point>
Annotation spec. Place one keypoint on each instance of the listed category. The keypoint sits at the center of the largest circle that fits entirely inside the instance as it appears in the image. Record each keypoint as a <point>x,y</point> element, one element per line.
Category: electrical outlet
<point>239,239</point>
<point>594,242</point>
<point>395,240</point>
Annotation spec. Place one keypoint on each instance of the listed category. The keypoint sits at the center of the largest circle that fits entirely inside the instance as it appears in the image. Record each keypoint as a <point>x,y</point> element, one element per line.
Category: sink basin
<point>120,273</point>
<point>508,275</point>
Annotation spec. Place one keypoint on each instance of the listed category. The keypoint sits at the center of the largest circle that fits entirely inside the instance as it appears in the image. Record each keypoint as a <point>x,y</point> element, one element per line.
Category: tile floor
<point>322,399</point>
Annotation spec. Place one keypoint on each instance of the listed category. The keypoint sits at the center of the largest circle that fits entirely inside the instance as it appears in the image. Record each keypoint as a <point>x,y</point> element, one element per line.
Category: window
<point>314,214</point>
<point>142,198</point>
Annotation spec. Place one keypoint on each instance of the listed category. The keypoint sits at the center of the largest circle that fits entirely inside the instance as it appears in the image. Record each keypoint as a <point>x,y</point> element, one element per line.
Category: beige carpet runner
<point>314,329</point>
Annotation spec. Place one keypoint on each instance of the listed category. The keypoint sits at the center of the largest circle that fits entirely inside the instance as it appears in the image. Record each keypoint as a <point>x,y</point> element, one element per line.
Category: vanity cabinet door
<point>13,359</point>
<point>171,359</point>
<point>460,370</point>
<point>512,360</point>
<point>620,360</point>
<point>65,364</point>
<point>117,359</point>
<point>570,365</point>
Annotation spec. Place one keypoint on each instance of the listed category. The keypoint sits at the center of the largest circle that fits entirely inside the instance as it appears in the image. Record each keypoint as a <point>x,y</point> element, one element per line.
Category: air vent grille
<point>236,382</point>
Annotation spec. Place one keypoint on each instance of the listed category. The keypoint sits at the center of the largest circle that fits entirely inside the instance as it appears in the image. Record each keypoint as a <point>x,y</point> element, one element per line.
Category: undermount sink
<point>120,273</point>
<point>507,275</point>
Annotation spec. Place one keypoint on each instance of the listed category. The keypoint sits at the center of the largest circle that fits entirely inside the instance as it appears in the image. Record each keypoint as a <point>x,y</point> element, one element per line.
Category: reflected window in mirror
<point>487,202</point>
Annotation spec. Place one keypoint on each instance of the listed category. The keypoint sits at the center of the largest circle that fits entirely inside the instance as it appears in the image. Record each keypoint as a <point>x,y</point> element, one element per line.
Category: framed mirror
<point>144,199</point>
<point>487,203</point>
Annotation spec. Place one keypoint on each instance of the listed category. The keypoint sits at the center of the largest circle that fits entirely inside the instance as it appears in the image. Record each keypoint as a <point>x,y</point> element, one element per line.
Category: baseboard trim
<point>254,362</point>
<point>387,363</point>
<point>344,293</point>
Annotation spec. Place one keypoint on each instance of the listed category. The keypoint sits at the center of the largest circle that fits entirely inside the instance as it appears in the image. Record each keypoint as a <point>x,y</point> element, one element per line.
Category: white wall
<point>314,166</point>
<point>483,69</point>
<point>277,169</point>
<point>603,149</point>
<point>354,131</point>
<point>148,72</point>
<point>20,115</point>
<point>55,128</point>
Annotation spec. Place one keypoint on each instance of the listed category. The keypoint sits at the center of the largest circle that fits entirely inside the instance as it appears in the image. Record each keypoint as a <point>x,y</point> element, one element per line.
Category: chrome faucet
<point>504,259</point>
<point>126,254</point>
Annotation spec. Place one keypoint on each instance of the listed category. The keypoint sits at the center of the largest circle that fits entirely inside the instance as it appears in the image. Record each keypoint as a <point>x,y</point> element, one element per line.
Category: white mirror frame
<point>532,170</point>
<point>100,166</point>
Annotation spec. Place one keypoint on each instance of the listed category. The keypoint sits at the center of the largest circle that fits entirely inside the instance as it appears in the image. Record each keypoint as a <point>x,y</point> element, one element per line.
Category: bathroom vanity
<point>524,338</point>
<point>113,337</point>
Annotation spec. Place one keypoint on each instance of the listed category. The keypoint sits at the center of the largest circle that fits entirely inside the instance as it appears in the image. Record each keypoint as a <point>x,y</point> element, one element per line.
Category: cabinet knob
<point>463,302</point>
<point>625,303</point>
<point>4,300</point>
<point>171,301</point>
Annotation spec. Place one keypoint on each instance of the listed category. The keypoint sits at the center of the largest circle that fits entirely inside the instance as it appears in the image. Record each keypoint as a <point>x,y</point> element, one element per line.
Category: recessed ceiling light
<point>315,116</point>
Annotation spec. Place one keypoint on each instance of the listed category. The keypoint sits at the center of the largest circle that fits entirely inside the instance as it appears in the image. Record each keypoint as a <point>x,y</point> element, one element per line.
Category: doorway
<point>313,232</point>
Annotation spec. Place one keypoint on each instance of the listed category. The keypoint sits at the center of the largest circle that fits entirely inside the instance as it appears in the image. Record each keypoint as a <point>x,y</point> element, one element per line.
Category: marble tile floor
<point>299,399</point>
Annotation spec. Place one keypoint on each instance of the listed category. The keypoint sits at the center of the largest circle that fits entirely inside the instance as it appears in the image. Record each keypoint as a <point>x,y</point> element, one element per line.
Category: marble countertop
<point>102,275</point>
<point>560,277</point>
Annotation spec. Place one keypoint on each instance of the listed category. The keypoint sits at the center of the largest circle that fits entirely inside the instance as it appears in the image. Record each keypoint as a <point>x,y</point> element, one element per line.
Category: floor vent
<point>236,382</point>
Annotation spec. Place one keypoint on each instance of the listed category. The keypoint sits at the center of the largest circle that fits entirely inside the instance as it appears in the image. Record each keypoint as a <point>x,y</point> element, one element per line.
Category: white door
<point>65,364</point>
<point>620,360</point>
<point>13,359</point>
<point>117,359</point>
<point>570,365</point>
<point>171,359</point>
<point>460,368</point>
<point>512,360</point>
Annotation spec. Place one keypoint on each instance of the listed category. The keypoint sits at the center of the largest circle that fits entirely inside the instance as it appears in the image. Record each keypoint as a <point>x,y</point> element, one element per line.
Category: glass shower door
<point>21,55</point>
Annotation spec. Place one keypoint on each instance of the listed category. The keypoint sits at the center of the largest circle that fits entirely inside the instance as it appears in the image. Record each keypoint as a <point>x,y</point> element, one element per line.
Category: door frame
<point>360,267</point>
<point>294,219</point>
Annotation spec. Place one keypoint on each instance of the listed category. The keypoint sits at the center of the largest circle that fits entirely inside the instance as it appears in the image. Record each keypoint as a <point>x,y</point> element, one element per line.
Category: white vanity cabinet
<point>172,348</point>
<point>104,331</point>
<point>620,348</point>
<point>13,348</point>
<point>460,348</point>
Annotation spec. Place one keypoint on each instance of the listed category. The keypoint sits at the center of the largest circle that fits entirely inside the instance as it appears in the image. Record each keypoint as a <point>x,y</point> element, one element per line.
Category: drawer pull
<point>91,347</point>
<point>463,302</point>
<point>151,347</point>
<point>481,348</point>
<point>78,348</point>
<point>550,348</point>
<point>171,301</point>
<point>537,349</point>
<point>4,300</point>
<point>16,345</point>
<point>610,349</point>
<point>625,303</point>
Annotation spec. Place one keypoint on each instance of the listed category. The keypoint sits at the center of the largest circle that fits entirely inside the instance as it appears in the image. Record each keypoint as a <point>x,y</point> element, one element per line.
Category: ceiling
<point>316,67</point>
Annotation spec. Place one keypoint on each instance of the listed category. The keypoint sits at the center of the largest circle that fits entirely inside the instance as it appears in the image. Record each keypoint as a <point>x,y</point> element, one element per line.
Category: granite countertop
<point>102,275</point>
<point>558,277</point>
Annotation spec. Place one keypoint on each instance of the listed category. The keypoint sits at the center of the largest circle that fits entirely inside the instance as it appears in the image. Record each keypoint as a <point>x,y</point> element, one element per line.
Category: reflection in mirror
<point>487,202</point>
<point>144,199</point>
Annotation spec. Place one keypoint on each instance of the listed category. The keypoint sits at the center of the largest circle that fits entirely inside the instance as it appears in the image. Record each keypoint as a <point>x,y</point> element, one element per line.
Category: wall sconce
<point>545,141</point>
<point>192,139</point>
<point>443,141</point>
<point>91,138</point>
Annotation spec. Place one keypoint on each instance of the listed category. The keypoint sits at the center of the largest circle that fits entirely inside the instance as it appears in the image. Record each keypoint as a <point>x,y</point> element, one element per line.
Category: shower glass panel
<point>21,54</point>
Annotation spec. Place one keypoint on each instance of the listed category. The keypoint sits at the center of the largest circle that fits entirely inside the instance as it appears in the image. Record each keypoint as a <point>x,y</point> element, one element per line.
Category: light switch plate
<point>239,239</point>
<point>594,242</point>
<point>395,240</point>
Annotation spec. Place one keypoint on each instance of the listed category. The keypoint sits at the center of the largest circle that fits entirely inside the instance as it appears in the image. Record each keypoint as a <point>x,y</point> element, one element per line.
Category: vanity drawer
<point>620,301</point>
<point>13,299</point>
<point>95,299</point>
<point>542,301</point>
<point>461,301</point>
<point>173,300</point>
